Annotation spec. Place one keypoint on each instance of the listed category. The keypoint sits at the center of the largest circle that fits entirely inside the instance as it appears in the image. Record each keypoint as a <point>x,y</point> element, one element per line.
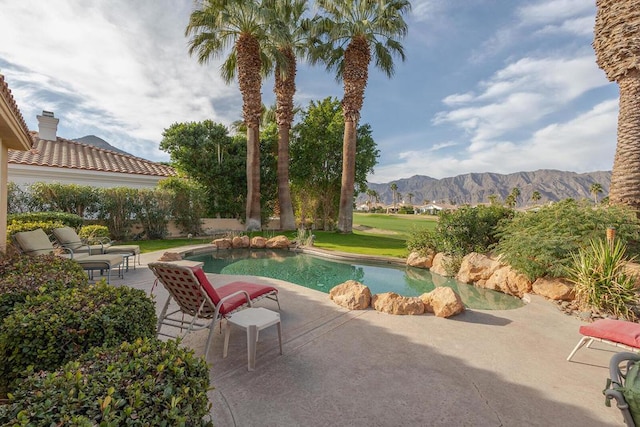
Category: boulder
<point>554,289</point>
<point>443,302</point>
<point>278,242</point>
<point>236,242</point>
<point>259,242</point>
<point>392,303</point>
<point>475,267</point>
<point>352,295</point>
<point>170,256</point>
<point>508,281</point>
<point>224,243</point>
<point>439,264</point>
<point>419,261</point>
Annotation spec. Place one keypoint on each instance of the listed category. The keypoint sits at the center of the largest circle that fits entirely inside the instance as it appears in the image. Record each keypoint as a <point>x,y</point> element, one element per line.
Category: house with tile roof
<point>14,137</point>
<point>56,159</point>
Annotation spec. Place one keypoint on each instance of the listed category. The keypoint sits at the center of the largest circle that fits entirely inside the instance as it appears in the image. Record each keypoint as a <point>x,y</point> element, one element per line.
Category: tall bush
<point>188,204</point>
<point>540,243</point>
<point>117,209</point>
<point>145,383</point>
<point>77,199</point>
<point>69,219</point>
<point>153,211</point>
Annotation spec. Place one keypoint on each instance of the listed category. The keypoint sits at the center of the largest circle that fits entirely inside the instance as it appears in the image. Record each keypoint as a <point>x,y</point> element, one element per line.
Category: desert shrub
<point>601,279</point>
<point>69,219</point>
<point>93,233</point>
<point>145,383</point>
<point>540,243</point>
<point>53,328</point>
<point>23,275</point>
<point>465,230</point>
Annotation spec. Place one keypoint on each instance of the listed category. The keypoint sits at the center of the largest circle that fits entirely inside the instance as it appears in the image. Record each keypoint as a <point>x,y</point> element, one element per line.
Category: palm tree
<point>215,26</point>
<point>515,193</point>
<point>290,40</point>
<point>394,190</point>
<point>410,196</point>
<point>617,30</point>
<point>354,31</point>
<point>595,189</point>
<point>535,196</point>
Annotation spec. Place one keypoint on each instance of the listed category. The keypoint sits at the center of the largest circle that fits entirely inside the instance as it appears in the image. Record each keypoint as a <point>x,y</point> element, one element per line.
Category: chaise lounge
<point>197,298</point>
<point>37,242</point>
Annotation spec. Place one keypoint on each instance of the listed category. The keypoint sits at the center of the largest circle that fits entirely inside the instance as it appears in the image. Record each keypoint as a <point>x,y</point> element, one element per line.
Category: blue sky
<point>487,86</point>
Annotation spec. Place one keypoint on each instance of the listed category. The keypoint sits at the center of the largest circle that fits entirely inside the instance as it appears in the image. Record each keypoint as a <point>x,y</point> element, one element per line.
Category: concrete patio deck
<point>365,368</point>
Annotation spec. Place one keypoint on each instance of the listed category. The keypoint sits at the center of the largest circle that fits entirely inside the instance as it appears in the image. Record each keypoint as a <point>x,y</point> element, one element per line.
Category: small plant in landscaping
<point>53,328</point>
<point>93,233</point>
<point>147,382</point>
<point>602,281</point>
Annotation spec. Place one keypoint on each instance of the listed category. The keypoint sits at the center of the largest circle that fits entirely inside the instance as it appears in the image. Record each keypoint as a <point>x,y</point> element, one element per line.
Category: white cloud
<point>547,11</point>
<point>582,26</point>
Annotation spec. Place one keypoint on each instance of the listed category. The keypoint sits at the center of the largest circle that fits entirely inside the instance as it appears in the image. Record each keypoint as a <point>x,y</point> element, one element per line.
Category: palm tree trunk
<point>625,177</point>
<point>287,218</point>
<point>345,214</point>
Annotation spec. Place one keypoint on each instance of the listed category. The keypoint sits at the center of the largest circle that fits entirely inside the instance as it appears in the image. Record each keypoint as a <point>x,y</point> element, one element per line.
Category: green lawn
<point>374,234</point>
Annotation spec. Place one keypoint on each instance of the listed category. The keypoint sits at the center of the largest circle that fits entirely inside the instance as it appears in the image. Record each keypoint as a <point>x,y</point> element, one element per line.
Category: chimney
<point>47,126</point>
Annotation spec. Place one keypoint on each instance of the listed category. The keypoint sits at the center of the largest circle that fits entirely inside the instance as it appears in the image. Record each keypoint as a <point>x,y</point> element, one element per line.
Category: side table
<point>253,320</point>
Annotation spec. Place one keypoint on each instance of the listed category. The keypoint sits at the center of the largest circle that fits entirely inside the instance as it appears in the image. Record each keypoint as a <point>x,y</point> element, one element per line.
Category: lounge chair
<point>618,370</point>
<point>37,242</point>
<point>197,298</point>
<point>618,333</point>
<point>68,238</point>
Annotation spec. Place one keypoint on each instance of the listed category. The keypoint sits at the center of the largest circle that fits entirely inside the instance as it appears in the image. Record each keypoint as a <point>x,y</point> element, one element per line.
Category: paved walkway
<point>365,368</point>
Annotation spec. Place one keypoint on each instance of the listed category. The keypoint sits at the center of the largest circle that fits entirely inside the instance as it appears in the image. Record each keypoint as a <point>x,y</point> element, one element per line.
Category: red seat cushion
<point>619,331</point>
<point>216,294</point>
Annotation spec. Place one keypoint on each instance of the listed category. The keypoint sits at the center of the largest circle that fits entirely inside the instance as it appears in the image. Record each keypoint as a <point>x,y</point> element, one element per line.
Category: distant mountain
<point>100,143</point>
<point>473,188</point>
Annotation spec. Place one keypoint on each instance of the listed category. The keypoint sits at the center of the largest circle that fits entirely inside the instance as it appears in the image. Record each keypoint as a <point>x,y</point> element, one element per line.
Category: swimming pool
<point>323,274</point>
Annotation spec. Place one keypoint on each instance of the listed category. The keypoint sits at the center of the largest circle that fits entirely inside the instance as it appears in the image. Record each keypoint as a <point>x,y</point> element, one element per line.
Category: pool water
<point>323,274</point>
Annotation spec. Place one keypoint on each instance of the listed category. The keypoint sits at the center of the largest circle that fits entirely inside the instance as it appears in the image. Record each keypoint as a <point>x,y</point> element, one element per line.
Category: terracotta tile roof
<point>65,153</point>
<point>5,92</point>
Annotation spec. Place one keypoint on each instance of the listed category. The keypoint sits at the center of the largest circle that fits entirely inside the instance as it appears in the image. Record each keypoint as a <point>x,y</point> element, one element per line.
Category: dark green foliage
<point>23,275</point>
<point>153,211</point>
<point>188,203</point>
<point>71,198</point>
<point>69,219</point>
<point>465,230</point>
<point>146,383</point>
<point>53,328</point>
<point>540,243</point>
<point>117,209</point>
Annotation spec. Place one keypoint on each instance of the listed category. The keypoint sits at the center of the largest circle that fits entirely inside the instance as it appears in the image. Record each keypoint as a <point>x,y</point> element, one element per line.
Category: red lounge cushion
<point>619,331</point>
<point>253,289</point>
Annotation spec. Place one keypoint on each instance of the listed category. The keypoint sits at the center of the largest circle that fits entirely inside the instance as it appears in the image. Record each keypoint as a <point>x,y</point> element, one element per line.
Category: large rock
<point>476,267</point>
<point>259,242</point>
<point>419,261</point>
<point>508,281</point>
<point>440,263</point>
<point>170,256</point>
<point>553,288</point>
<point>352,295</point>
<point>278,242</point>
<point>392,303</point>
<point>443,302</point>
<point>224,243</point>
<point>241,242</point>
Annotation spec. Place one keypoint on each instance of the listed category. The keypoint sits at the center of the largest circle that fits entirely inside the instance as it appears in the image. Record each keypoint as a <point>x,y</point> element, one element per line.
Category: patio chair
<point>618,333</point>
<point>37,242</point>
<point>68,238</point>
<point>621,386</point>
<point>196,297</point>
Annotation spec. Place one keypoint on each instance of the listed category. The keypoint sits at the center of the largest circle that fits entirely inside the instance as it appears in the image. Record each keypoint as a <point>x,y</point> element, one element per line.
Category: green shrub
<point>465,230</point>
<point>15,226</point>
<point>53,328</point>
<point>601,279</point>
<point>71,220</point>
<point>23,275</point>
<point>93,233</point>
<point>146,383</point>
<point>540,243</point>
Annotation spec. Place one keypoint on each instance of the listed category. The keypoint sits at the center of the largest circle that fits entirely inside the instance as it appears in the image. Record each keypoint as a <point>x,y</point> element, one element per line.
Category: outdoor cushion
<point>35,242</point>
<point>253,289</point>
<point>620,331</point>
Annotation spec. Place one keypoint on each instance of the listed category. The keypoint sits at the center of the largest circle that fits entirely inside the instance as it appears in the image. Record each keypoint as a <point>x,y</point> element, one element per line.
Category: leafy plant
<point>602,281</point>
<point>17,226</point>
<point>53,328</point>
<point>147,382</point>
<point>69,219</point>
<point>540,243</point>
<point>93,233</point>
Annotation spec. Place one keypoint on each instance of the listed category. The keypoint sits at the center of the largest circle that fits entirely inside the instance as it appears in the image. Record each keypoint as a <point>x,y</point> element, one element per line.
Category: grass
<point>374,234</point>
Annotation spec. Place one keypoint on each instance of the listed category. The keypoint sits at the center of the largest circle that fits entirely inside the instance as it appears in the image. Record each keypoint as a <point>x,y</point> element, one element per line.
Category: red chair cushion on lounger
<point>216,294</point>
<point>618,331</point>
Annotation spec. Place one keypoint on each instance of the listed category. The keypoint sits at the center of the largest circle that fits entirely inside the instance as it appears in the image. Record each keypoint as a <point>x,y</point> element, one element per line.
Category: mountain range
<point>474,188</point>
